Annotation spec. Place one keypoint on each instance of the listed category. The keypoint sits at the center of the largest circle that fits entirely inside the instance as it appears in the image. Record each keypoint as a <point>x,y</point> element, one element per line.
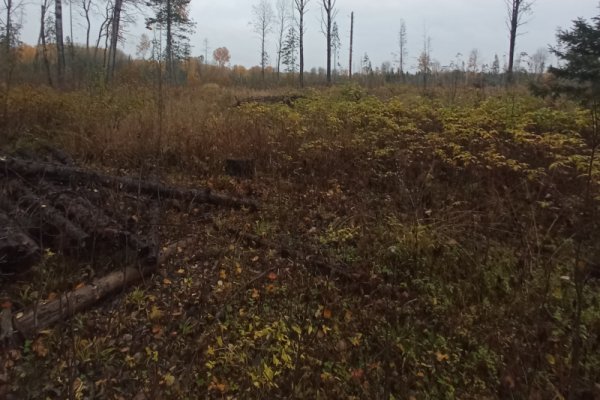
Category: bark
<point>44,315</point>
<point>43,42</point>
<point>69,174</point>
<point>114,38</point>
<point>60,47</point>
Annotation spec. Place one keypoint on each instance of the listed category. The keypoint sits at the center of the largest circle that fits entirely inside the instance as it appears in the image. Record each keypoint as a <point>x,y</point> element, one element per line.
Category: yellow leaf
<point>169,380</point>
<point>155,313</point>
<point>441,357</point>
<point>222,274</point>
<point>255,294</point>
<point>550,358</point>
<point>268,373</point>
<point>220,341</point>
<point>167,281</point>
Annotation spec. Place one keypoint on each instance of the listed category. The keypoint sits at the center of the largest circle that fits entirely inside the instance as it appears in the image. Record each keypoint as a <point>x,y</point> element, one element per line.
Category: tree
<point>336,45</point>
<point>351,44</point>
<point>402,40</point>
<point>496,65</point>
<point>579,77</point>
<point>221,56</point>
<point>263,25</point>
<point>45,33</point>
<point>517,10</point>
<point>290,49</point>
<point>424,61</point>
<point>328,13</point>
<point>538,61</point>
<point>282,18</point>
<point>302,8</point>
<point>143,46</point>
<point>86,6</point>
<point>60,46</point>
<point>173,17</point>
<point>367,67</point>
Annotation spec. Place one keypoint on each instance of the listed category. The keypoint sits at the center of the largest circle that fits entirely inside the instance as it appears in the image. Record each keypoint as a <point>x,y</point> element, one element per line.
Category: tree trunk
<point>43,42</point>
<point>60,47</point>
<point>351,44</point>
<point>71,303</point>
<point>114,39</point>
<point>302,47</point>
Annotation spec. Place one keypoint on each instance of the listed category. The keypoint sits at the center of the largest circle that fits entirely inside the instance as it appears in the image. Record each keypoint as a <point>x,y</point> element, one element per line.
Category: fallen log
<point>17,250</point>
<point>284,99</point>
<point>52,217</point>
<point>44,315</point>
<point>64,173</point>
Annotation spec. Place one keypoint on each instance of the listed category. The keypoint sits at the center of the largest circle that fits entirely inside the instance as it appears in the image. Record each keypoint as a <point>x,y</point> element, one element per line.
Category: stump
<point>240,168</point>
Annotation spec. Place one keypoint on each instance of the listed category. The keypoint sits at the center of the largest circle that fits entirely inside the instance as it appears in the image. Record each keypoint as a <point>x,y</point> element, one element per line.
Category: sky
<point>454,26</point>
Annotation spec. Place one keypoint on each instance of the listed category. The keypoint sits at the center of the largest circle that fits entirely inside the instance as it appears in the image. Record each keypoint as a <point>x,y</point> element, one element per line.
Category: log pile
<point>61,207</point>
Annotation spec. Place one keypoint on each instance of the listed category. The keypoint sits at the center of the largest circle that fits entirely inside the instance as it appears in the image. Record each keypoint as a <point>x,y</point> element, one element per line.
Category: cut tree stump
<point>239,168</point>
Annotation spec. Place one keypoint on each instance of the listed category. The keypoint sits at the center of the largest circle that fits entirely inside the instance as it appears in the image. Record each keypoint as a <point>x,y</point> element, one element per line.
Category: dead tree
<point>60,46</point>
<point>328,13</point>
<point>302,9</point>
<point>351,44</point>
<point>517,10</point>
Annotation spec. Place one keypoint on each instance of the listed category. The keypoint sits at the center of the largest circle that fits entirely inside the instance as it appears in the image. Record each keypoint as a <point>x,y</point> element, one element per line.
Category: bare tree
<point>302,8</point>
<point>538,61</point>
<point>402,40</point>
<point>328,13</point>
<point>263,25</point>
<point>351,44</point>
<point>86,6</point>
<point>60,46</point>
<point>282,18</point>
<point>517,10</point>
<point>42,40</point>
<point>114,38</point>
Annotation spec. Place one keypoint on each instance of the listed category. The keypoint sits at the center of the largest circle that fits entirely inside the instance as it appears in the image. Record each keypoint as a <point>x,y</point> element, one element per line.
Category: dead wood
<point>70,174</point>
<point>284,99</point>
<point>44,315</point>
<point>17,250</point>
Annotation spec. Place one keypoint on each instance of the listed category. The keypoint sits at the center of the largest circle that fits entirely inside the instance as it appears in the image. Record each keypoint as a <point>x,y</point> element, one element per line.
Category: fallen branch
<point>318,261</point>
<point>65,173</point>
<point>44,315</point>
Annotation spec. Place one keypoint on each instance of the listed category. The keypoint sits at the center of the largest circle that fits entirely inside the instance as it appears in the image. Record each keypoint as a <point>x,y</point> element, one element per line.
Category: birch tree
<point>517,11</point>
<point>301,7</point>
<point>262,24</point>
<point>328,13</point>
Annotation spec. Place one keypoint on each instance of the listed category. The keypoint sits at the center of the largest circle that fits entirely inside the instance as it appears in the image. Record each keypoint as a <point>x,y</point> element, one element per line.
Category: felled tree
<point>579,77</point>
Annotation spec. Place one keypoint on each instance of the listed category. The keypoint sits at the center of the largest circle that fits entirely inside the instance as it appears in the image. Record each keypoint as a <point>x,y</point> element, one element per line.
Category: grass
<point>458,219</point>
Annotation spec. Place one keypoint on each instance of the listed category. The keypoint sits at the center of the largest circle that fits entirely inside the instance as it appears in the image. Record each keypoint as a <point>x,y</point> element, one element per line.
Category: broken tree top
<point>54,202</point>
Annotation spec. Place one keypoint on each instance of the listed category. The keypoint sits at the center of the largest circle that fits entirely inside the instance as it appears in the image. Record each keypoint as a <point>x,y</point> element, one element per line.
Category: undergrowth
<point>459,221</point>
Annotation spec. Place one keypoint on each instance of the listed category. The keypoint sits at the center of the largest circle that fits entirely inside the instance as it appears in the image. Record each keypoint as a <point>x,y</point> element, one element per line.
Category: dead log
<point>44,315</point>
<point>63,173</point>
<point>94,221</point>
<point>17,250</point>
<point>51,216</point>
<point>284,99</point>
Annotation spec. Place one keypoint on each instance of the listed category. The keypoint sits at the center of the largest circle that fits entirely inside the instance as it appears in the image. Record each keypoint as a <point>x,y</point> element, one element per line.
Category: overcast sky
<point>455,26</point>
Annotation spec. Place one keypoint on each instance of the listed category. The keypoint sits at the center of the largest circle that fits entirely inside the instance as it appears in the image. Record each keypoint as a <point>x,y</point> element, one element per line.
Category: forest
<point>177,227</point>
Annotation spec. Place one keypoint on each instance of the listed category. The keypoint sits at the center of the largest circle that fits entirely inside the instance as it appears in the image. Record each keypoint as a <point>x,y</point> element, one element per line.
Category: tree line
<point>170,28</point>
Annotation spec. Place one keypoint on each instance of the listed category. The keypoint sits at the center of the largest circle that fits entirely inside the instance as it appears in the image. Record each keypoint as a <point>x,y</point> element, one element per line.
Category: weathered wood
<point>18,251</point>
<point>64,173</point>
<point>53,217</point>
<point>46,314</point>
